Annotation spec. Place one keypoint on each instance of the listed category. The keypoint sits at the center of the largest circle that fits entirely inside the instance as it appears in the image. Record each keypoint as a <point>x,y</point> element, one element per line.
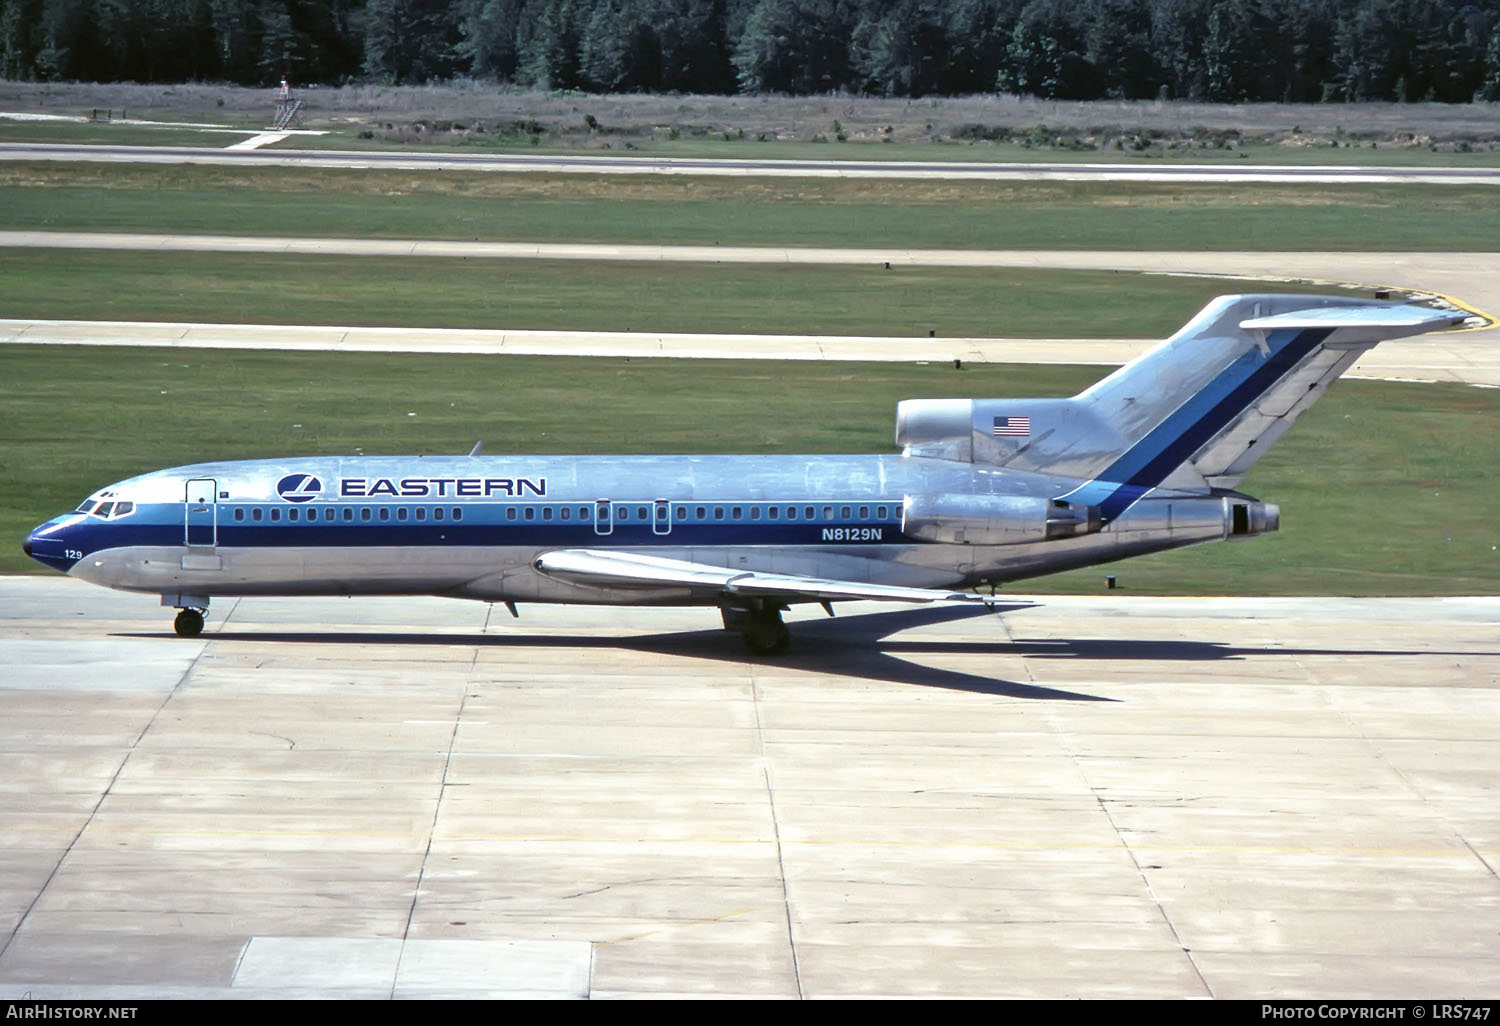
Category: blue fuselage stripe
<point>1168,445</point>
<point>482,524</point>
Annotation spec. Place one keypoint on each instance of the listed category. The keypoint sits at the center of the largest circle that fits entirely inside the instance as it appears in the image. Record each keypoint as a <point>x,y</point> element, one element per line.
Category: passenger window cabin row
<point>345,514</point>
<point>619,513</point>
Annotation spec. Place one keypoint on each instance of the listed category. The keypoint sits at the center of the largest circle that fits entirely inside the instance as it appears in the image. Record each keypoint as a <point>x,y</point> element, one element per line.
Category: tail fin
<point>1193,414</point>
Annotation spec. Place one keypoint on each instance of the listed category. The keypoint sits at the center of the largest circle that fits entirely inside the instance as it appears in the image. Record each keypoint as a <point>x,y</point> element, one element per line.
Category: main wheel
<point>189,623</point>
<point>768,637</point>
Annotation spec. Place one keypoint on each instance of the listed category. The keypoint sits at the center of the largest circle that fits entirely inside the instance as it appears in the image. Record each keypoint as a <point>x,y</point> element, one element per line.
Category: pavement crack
<point>1482,860</point>
<point>437,808</point>
<point>1104,804</point>
<point>584,894</point>
<point>765,771</point>
<point>290,744</point>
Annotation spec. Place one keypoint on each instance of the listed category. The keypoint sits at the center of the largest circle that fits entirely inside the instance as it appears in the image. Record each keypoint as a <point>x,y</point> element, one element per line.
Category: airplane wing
<point>636,570</point>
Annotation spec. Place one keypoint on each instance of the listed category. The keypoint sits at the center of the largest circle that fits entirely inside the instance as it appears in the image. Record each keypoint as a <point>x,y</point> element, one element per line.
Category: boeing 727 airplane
<point>983,493</point>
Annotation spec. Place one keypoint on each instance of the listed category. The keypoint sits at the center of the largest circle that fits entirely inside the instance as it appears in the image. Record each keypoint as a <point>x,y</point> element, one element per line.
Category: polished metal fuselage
<point>369,525</point>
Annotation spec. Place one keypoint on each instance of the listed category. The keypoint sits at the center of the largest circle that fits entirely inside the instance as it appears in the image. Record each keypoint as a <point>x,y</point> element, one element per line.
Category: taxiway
<point>1462,357</point>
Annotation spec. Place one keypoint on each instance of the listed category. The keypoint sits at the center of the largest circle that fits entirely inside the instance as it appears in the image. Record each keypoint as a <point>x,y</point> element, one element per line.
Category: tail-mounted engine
<point>959,519</point>
<point>1187,519</point>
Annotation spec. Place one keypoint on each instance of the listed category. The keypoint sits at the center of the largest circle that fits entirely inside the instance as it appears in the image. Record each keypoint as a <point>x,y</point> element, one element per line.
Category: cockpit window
<point>107,510</point>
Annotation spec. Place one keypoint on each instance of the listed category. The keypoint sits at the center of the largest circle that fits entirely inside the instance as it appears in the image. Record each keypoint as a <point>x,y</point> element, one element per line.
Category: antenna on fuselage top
<point>475,451</point>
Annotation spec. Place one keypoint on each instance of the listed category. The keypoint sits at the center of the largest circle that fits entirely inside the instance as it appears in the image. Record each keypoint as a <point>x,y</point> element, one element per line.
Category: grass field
<point>820,212</point>
<point>1384,488</point>
<point>439,292</point>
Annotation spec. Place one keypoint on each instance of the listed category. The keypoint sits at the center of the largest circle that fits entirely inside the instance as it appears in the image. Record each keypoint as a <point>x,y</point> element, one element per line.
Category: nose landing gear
<point>190,610</point>
<point>189,623</point>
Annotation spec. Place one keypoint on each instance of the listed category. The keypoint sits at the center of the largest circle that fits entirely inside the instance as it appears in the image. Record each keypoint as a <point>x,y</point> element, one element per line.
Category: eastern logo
<point>440,487</point>
<point>299,488</point>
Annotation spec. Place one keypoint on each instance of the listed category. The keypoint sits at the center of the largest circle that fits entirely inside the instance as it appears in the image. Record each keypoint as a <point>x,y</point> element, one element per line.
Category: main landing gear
<point>760,626</point>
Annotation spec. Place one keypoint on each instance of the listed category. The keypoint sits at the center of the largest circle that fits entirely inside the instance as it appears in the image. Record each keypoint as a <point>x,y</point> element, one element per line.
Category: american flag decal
<point>1012,427</point>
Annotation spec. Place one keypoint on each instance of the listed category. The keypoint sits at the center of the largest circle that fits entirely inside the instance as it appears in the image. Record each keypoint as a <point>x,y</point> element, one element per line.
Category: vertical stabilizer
<point>1203,407</point>
<point>1193,414</point>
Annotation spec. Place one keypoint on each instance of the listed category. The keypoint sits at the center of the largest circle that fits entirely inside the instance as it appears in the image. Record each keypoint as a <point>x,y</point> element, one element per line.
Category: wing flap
<point>600,568</point>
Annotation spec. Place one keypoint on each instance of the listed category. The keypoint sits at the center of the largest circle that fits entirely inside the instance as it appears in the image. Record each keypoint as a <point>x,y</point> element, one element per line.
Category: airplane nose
<point>35,544</point>
<point>45,545</point>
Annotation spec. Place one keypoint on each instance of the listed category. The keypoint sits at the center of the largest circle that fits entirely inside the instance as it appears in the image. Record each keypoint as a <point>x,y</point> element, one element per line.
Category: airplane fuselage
<point>472,526</point>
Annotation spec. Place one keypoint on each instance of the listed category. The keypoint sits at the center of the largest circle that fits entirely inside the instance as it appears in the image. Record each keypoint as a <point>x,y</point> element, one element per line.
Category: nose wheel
<point>189,623</point>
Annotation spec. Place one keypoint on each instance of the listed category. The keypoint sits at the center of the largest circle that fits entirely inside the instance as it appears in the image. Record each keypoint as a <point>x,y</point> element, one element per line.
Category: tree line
<point>1212,50</point>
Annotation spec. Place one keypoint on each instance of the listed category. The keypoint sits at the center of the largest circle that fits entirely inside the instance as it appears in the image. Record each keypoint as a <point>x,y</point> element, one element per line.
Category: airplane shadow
<point>856,645</point>
<point>859,646</point>
<point>848,646</point>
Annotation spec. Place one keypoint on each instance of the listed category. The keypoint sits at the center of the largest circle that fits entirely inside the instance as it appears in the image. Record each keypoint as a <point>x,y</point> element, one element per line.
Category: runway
<point>1089,797</point>
<point>741,167</point>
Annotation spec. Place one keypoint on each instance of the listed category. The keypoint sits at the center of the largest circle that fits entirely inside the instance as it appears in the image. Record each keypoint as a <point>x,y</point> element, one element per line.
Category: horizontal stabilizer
<point>1389,318</point>
<point>617,569</point>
